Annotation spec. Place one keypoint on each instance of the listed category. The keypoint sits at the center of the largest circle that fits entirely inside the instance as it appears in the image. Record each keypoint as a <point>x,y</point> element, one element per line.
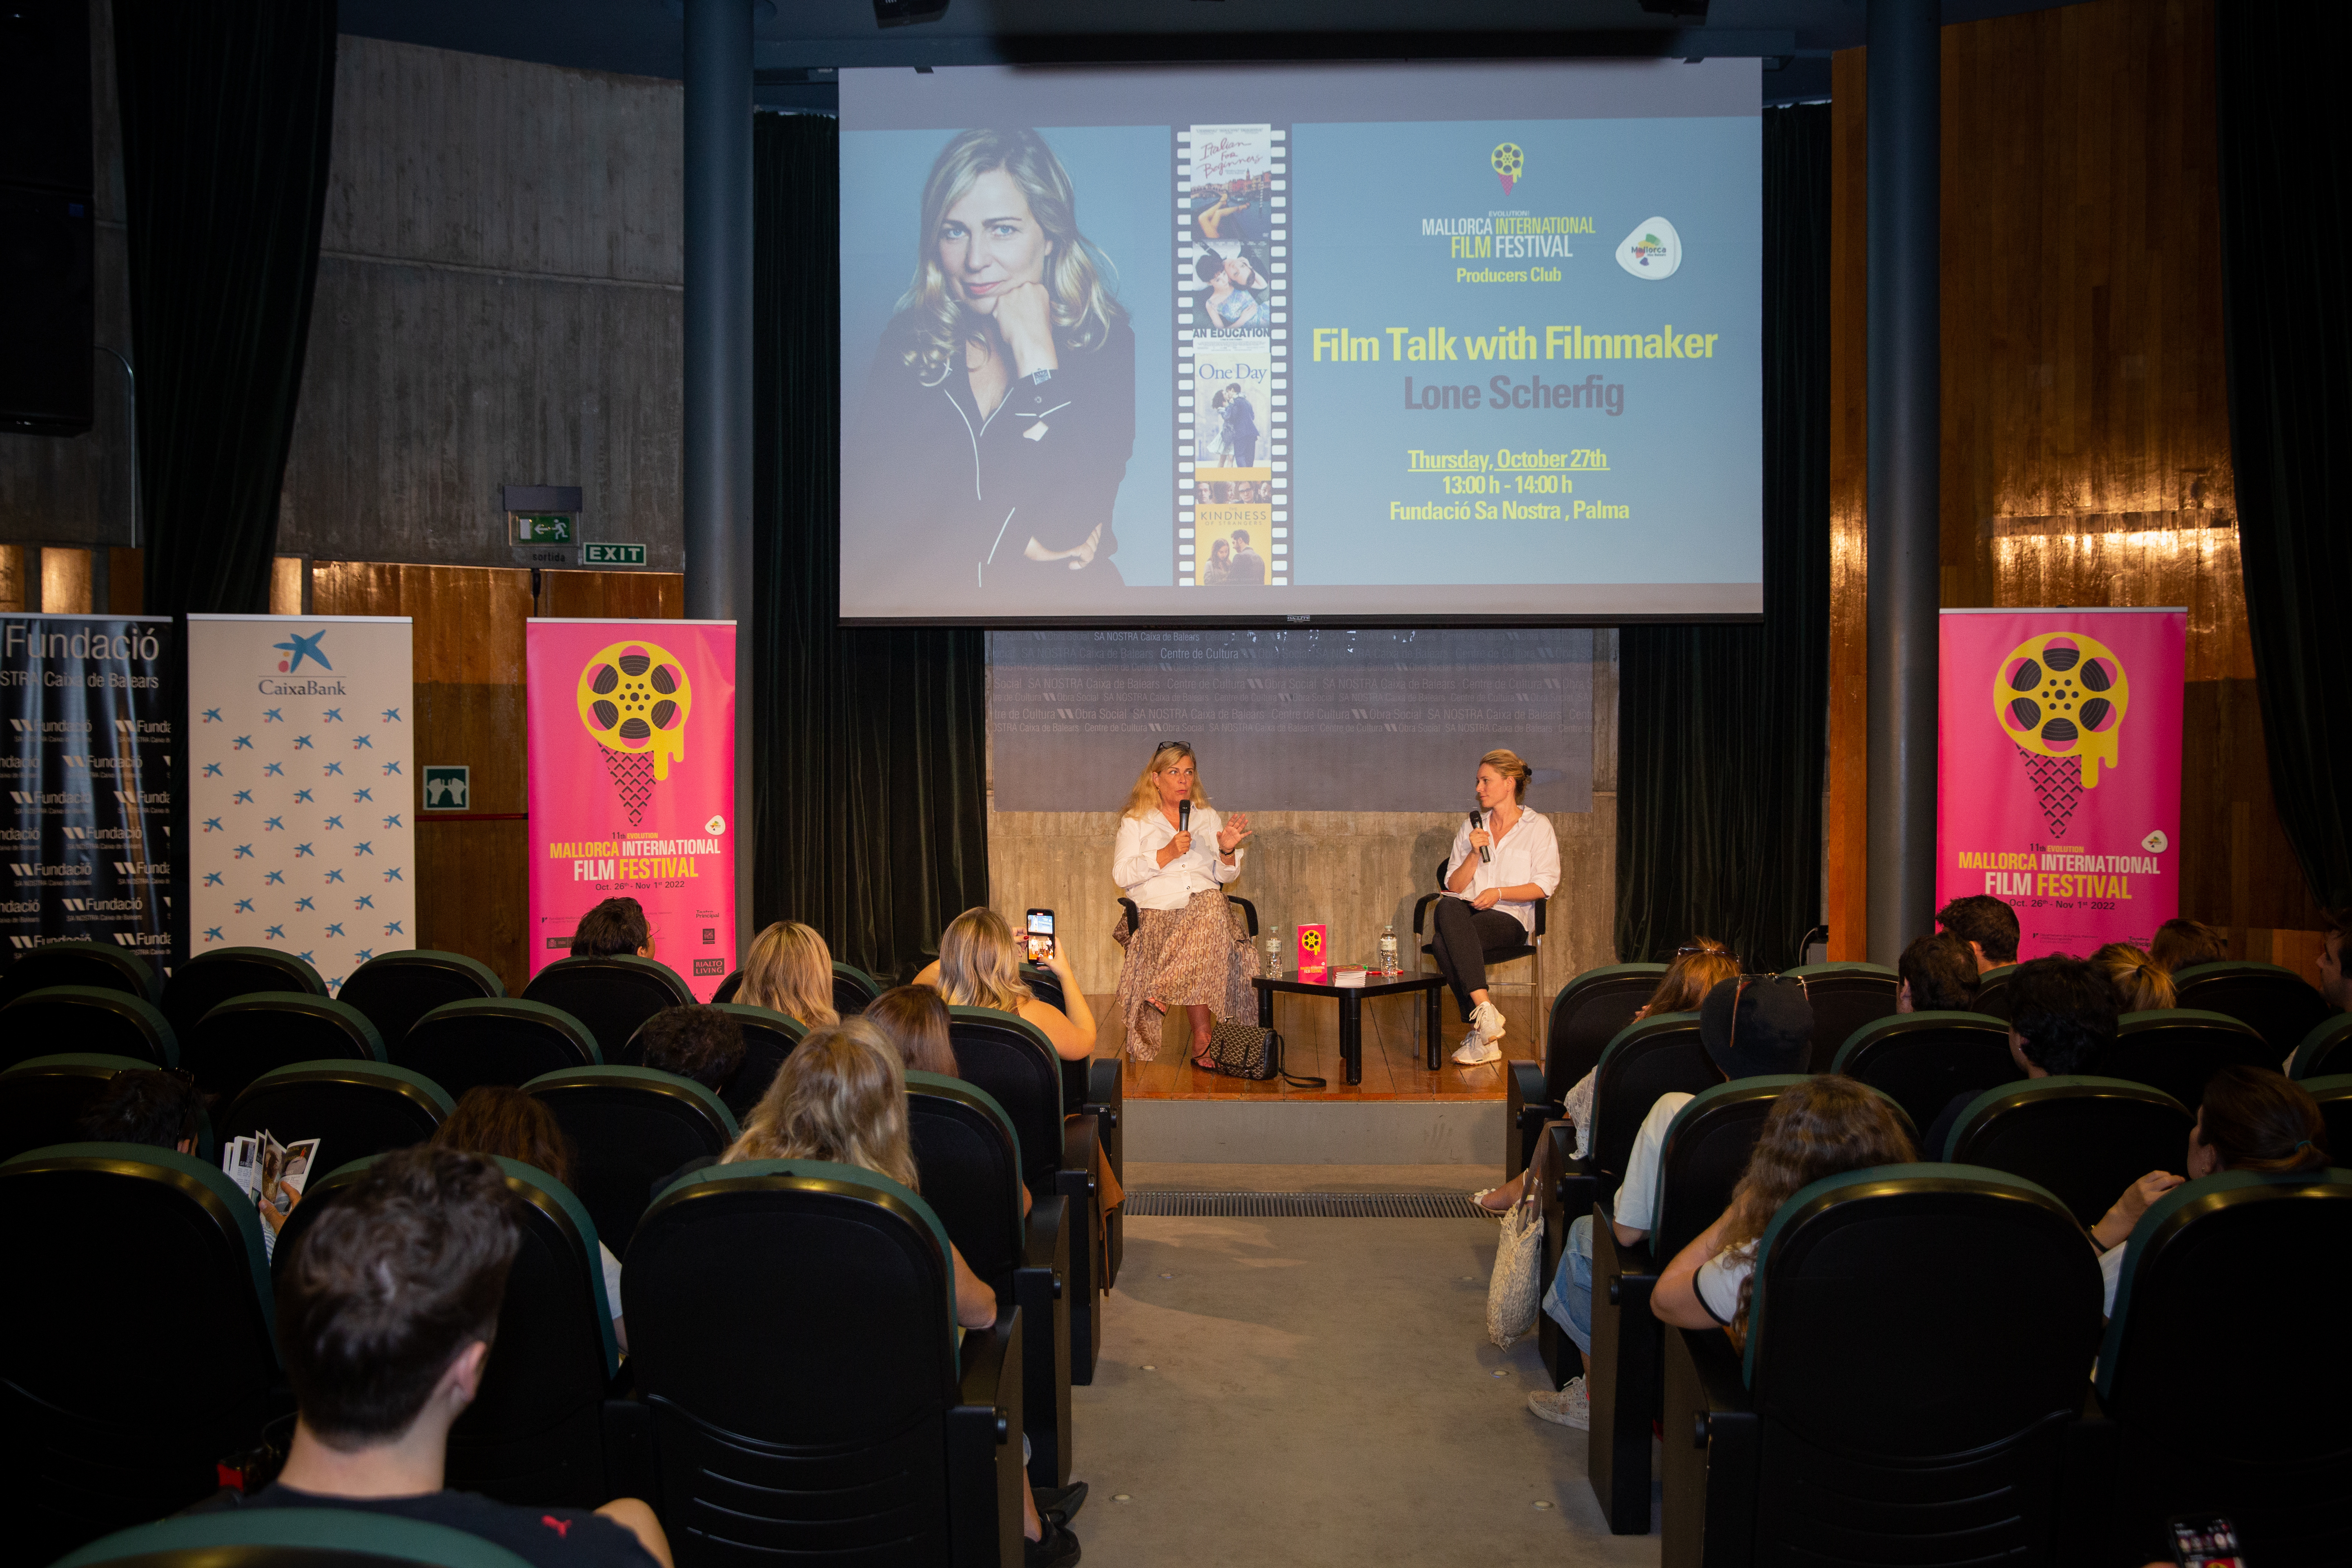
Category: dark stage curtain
<point>2287,310</point>
<point>869,746</point>
<point>1721,729</point>
<point>228,110</point>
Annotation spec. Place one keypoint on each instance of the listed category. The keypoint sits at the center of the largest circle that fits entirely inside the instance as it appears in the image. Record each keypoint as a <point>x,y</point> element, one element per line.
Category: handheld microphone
<point>1183,816</point>
<point>1485,856</point>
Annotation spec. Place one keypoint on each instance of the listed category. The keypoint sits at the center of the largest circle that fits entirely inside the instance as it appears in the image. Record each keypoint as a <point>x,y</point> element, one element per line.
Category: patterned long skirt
<point>1192,957</point>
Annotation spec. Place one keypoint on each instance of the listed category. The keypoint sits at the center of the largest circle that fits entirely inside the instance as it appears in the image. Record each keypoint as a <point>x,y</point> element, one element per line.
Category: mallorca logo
<point>1510,163</point>
<point>297,647</point>
<point>1653,251</point>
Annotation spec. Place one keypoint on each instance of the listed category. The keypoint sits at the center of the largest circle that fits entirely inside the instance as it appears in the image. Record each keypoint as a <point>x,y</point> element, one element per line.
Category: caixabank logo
<point>300,653</point>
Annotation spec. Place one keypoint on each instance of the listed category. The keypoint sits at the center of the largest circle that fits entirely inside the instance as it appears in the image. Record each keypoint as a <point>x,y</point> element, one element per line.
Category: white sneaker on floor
<point>1566,1408</point>
<point>1476,1047</point>
<point>1487,1019</point>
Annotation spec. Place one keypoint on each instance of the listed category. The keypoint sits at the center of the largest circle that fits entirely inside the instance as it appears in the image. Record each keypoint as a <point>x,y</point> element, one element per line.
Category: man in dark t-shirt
<point>385,1314</point>
<point>2062,1016</point>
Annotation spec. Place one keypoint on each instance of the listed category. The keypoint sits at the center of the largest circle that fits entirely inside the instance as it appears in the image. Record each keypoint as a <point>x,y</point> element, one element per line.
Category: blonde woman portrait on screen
<point>1189,954</point>
<point>789,971</point>
<point>999,412</point>
<point>980,966</point>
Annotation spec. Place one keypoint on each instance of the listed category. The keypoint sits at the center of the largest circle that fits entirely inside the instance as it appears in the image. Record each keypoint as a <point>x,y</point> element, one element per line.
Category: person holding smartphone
<point>1175,857</point>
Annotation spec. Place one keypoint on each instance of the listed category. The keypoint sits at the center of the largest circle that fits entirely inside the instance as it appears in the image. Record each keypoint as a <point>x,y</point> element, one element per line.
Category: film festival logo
<point>2061,698</point>
<point>1510,164</point>
<point>634,700</point>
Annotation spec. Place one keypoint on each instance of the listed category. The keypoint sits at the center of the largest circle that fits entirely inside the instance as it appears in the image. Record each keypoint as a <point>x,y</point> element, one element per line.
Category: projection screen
<point>1379,344</point>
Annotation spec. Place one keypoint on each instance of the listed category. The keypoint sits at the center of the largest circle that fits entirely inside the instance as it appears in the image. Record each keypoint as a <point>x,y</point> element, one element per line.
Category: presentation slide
<point>1363,344</point>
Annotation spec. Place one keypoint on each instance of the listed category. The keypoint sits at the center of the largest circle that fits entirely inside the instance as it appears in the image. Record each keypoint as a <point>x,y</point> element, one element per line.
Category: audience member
<point>2141,984</point>
<point>2333,984</point>
<point>1751,1026</point>
<point>2251,1120</point>
<point>2062,1015</point>
<point>1823,1127</point>
<point>914,1018</point>
<point>703,1043</point>
<point>163,1110</point>
<point>386,1311</point>
<point>980,966</point>
<point>789,971</point>
<point>842,1096</point>
<point>2180,944</point>
<point>1939,975</point>
<point>1986,924</point>
<point>616,928</point>
<point>511,1125</point>
<point>1697,967</point>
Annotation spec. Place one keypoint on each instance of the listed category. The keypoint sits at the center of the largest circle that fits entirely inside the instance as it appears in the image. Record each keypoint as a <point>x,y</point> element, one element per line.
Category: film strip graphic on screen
<point>1232,355</point>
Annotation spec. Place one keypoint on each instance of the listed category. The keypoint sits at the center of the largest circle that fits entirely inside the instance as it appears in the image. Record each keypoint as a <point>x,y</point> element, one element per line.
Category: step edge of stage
<point>1314,1132</point>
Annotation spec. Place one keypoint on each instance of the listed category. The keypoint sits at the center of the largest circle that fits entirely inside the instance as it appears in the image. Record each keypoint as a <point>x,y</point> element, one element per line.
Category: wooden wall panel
<point>649,595</point>
<point>1845,824</point>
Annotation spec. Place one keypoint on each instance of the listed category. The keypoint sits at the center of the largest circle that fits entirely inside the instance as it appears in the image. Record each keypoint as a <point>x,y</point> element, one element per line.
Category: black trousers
<point>1463,940</point>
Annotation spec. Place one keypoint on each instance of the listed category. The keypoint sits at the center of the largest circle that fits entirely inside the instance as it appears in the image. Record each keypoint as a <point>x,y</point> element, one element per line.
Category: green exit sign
<point>613,555</point>
<point>542,528</point>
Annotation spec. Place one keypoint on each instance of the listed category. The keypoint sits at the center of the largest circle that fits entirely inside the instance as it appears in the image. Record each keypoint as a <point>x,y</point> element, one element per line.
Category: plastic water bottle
<point>1274,951</point>
<point>1389,949</point>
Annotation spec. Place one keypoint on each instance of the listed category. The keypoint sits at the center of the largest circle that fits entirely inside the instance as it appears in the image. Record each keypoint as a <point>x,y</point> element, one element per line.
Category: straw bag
<point>1515,1294</point>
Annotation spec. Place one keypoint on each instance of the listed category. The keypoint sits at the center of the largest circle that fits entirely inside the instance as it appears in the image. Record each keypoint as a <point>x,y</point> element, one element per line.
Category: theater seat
<point>629,1127</point>
<point>1922,1061</point>
<point>2277,1003</point>
<point>1012,1060</point>
<point>544,1429</point>
<point>1912,1387</point>
<point>135,1344</point>
<point>2326,1051</point>
<point>729,986</point>
<point>1844,996</point>
<point>395,989</point>
<point>504,1040</point>
<point>1992,992</point>
<point>1045,984</point>
<point>2082,1139</point>
<point>1585,1016</point>
<point>2335,1097</point>
<point>86,1018</point>
<point>612,996</point>
<point>791,1331</point>
<point>2215,1282</point>
<point>291,1538</point>
<point>2176,1049</point>
<point>1705,1153</point>
<point>356,1110</point>
<point>44,1099</point>
<point>90,964</point>
<point>211,978</point>
<point>246,1036</point>
<point>853,990</point>
<point>971,1163</point>
<point>768,1037</point>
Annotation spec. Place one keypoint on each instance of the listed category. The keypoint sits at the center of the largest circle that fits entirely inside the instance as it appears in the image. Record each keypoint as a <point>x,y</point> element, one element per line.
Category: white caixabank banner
<point>299,762</point>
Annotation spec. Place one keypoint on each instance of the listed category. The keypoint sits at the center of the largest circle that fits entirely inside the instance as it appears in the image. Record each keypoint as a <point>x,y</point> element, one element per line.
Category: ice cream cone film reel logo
<point>2061,698</point>
<point>1510,164</point>
<point>633,701</point>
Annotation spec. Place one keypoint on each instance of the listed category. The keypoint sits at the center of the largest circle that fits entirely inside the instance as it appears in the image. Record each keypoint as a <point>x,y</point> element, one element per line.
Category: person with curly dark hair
<point>2062,1016</point>
<point>1987,925</point>
<point>1939,975</point>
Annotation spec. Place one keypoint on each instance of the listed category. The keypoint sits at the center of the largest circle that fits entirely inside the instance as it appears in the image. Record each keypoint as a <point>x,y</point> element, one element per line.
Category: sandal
<point>1205,1062</point>
<point>1478,1199</point>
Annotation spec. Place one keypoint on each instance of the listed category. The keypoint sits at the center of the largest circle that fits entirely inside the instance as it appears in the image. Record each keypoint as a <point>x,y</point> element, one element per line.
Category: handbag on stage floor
<point>1245,1050</point>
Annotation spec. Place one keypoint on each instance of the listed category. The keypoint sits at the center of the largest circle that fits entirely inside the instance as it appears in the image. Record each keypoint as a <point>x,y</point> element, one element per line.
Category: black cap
<point>1774,1032</point>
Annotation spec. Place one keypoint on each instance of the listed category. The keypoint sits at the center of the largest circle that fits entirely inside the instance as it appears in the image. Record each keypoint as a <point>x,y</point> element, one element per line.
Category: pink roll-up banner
<point>2058,771</point>
<point>633,785</point>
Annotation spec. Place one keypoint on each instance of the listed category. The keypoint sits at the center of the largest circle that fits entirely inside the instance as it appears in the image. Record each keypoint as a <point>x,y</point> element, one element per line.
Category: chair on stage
<point>248,1036</point>
<point>612,995</point>
<point>1992,992</point>
<point>1922,1061</point>
<point>395,989</point>
<point>1585,1016</point>
<point>86,1018</point>
<point>279,1537</point>
<point>135,1348</point>
<point>2176,1049</point>
<point>504,1040</point>
<point>629,1127</point>
<point>853,990</point>
<point>2326,1051</point>
<point>78,963</point>
<point>970,1159</point>
<point>2083,1140</point>
<point>791,1331</point>
<point>1531,949</point>
<point>1912,1387</point>
<point>1705,1153</point>
<point>2277,1003</point>
<point>44,1099</point>
<point>209,979</point>
<point>1844,996</point>
<point>356,1110</point>
<point>2223,1374</point>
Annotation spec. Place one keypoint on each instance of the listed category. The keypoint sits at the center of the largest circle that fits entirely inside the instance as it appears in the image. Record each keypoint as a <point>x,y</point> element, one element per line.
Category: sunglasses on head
<point>1685,950</point>
<point>1171,746</point>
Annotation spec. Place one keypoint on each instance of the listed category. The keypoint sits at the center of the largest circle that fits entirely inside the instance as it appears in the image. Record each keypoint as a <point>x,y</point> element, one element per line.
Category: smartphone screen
<point>1040,935</point>
<point>2206,1540</point>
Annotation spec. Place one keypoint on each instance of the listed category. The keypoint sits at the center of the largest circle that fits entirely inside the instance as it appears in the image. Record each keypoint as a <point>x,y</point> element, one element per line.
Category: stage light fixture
<point>907,13</point>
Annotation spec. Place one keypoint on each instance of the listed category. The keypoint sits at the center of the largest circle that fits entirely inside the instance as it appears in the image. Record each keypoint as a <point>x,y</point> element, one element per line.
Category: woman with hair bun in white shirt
<point>1490,902</point>
<point>1175,866</point>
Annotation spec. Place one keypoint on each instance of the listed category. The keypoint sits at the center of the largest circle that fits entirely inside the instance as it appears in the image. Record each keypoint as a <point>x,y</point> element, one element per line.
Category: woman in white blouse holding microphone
<point>1174,857</point>
<point>1504,857</point>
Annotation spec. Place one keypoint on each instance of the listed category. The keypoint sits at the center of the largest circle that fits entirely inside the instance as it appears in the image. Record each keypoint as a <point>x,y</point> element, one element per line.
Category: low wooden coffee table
<point>1352,1009</point>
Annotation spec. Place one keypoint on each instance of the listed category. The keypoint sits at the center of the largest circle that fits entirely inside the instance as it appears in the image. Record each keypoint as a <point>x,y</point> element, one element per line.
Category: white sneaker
<point>1476,1048</point>
<point>1568,1407</point>
<point>1487,1019</point>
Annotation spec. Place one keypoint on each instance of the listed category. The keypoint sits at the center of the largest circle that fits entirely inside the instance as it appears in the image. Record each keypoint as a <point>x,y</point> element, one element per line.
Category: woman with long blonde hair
<point>999,412</point>
<point>1174,857</point>
<point>980,966</point>
<point>789,971</point>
